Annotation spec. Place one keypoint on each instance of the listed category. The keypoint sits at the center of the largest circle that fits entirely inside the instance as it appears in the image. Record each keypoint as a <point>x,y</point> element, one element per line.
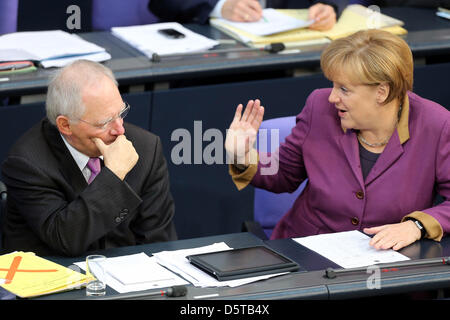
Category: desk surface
<point>297,285</point>
<point>428,35</point>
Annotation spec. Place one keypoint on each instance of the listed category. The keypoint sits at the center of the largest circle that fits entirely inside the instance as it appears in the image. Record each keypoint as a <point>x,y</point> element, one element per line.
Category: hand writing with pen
<point>323,15</point>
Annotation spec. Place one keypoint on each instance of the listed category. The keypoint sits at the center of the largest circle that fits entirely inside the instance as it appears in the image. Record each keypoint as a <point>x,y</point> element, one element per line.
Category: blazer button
<point>118,220</point>
<point>122,214</point>
<point>360,194</point>
<point>355,221</point>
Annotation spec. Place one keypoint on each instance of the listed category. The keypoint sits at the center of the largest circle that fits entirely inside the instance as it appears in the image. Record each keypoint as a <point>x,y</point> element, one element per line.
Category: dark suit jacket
<point>185,11</point>
<point>51,210</point>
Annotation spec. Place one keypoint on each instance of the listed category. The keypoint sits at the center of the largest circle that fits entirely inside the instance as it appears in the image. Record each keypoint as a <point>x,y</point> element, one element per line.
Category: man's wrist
<point>331,4</point>
<point>217,11</point>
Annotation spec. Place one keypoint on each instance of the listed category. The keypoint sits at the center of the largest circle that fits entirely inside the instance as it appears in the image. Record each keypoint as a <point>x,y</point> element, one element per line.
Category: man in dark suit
<point>82,179</point>
<point>324,12</point>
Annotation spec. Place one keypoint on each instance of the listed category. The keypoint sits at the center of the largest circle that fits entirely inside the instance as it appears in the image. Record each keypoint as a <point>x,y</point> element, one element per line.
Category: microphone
<point>174,291</point>
<point>272,48</point>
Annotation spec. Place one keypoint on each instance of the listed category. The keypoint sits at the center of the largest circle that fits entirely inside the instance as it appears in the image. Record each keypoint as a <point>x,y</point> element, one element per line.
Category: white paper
<point>271,23</point>
<point>441,14</point>
<point>349,249</point>
<point>177,262</point>
<point>61,62</point>
<point>137,272</point>
<point>148,40</point>
<point>48,45</point>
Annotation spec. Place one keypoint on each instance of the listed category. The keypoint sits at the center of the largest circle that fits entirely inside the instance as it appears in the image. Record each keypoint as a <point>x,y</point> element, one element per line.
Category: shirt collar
<point>80,158</point>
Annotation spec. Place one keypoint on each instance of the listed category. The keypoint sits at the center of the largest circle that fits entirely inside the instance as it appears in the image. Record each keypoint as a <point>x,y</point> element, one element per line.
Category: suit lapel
<point>390,155</point>
<point>350,146</point>
<point>68,167</point>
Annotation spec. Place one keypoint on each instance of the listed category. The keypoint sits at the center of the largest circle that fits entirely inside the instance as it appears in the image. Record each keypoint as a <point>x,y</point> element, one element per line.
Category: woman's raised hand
<point>241,135</point>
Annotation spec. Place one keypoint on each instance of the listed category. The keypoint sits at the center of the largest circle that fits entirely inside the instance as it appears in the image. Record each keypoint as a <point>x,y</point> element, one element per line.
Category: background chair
<point>269,207</point>
<point>4,294</point>
<point>2,210</point>
<point>118,13</point>
<point>8,16</point>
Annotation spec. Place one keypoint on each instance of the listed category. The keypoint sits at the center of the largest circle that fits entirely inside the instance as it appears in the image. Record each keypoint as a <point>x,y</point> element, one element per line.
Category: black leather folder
<point>242,263</point>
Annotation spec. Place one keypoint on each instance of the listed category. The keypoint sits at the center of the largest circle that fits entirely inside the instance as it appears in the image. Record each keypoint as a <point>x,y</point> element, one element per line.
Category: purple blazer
<point>414,165</point>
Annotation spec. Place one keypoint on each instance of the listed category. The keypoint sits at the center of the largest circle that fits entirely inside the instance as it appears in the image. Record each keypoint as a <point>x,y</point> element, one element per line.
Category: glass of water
<point>95,268</point>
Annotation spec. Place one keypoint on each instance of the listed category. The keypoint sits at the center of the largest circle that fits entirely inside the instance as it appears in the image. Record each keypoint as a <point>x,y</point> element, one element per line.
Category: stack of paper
<point>148,40</point>
<point>443,13</point>
<point>353,18</point>
<point>27,275</point>
<point>272,22</point>
<point>349,249</point>
<point>136,272</point>
<point>51,48</point>
<point>177,262</point>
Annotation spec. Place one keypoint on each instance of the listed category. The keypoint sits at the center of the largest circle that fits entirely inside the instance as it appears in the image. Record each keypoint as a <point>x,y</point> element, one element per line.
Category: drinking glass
<point>95,268</point>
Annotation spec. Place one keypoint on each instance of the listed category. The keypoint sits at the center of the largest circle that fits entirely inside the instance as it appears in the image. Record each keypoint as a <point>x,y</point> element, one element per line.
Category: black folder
<point>242,263</point>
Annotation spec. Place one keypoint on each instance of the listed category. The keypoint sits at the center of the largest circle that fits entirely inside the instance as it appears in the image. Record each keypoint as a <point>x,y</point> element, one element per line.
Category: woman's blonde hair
<point>371,57</point>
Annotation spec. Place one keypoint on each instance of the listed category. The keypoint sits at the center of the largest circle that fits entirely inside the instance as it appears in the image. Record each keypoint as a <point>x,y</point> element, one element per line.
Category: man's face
<point>103,103</point>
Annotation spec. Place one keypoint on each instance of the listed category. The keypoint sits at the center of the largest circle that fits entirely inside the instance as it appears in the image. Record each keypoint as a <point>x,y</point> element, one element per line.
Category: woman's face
<point>356,104</point>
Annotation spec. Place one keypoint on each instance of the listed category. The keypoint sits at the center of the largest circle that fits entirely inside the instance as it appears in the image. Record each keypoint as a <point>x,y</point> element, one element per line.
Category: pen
<point>265,19</point>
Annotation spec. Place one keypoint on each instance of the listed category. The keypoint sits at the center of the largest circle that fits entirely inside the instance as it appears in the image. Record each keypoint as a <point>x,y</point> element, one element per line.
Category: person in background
<point>375,154</point>
<point>82,179</point>
<point>324,13</point>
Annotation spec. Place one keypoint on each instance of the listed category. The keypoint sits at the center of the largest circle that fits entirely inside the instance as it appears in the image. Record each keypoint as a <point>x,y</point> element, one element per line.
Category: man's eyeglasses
<point>104,125</point>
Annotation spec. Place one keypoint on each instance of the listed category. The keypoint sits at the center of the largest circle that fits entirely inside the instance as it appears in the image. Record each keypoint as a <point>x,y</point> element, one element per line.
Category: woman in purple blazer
<point>375,154</point>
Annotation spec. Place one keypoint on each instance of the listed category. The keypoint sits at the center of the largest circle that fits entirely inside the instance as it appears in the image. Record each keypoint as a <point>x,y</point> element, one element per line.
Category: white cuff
<point>217,11</point>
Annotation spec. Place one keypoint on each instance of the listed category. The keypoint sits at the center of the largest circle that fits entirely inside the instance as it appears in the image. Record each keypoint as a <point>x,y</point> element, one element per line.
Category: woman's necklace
<point>372,145</point>
<point>378,144</point>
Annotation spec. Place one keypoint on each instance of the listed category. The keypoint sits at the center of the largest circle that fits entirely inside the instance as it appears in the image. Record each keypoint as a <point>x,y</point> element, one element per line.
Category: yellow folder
<point>353,18</point>
<point>27,275</point>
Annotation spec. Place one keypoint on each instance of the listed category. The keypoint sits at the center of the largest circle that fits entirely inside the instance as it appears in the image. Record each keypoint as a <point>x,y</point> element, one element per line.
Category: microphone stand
<point>174,291</point>
<point>331,273</point>
<point>272,48</point>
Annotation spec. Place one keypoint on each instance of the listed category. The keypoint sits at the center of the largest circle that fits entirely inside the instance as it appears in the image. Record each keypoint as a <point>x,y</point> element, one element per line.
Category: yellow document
<point>27,275</point>
<point>353,18</point>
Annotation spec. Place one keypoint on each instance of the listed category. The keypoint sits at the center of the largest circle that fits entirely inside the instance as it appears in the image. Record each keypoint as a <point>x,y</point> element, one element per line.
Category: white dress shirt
<point>80,158</point>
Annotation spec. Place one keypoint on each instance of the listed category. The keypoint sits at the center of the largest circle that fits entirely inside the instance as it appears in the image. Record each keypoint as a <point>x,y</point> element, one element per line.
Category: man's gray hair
<point>64,94</point>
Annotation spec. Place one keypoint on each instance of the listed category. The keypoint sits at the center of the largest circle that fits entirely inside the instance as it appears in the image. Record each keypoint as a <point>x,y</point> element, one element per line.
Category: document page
<point>148,39</point>
<point>349,249</point>
<point>177,262</point>
<point>136,272</point>
<point>40,46</point>
<point>272,22</point>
